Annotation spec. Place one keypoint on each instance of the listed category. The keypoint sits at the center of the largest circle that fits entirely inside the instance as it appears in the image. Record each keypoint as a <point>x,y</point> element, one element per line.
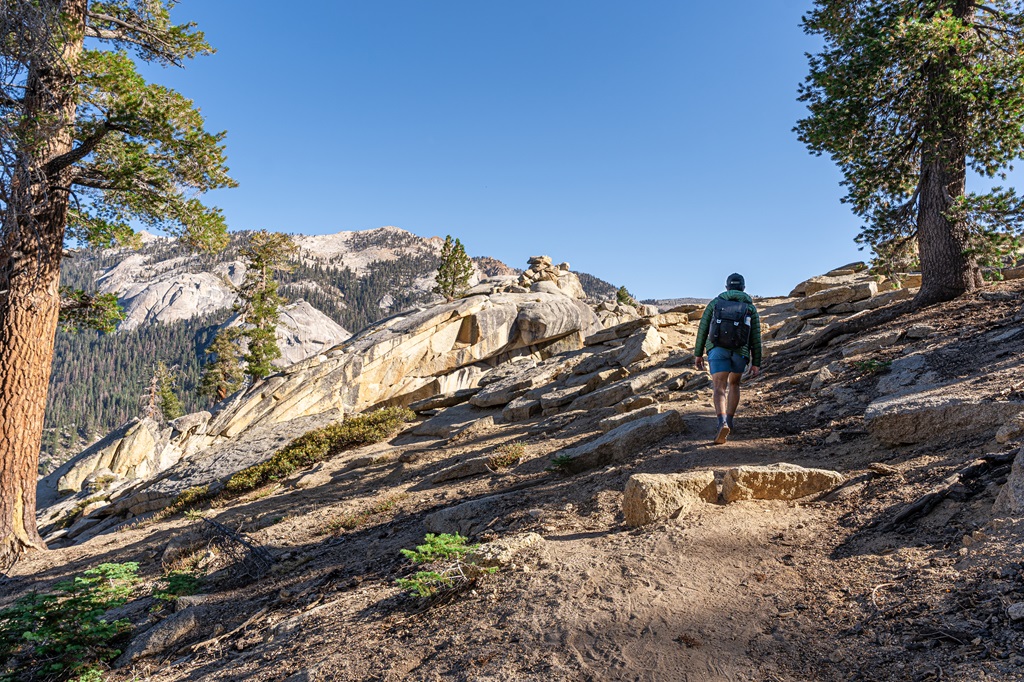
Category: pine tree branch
<point>130,33</point>
<point>83,178</point>
<point>56,165</point>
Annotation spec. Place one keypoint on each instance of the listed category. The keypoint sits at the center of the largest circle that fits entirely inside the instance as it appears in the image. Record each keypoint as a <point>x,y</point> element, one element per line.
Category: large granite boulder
<point>140,448</point>
<point>777,482</point>
<point>651,497</point>
<point>837,295</point>
<point>620,444</point>
<point>935,414</point>
<point>404,358</point>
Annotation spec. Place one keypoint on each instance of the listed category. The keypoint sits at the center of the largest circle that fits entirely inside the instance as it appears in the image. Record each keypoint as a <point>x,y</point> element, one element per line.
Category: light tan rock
<point>563,396</point>
<point>641,345</point>
<point>1010,500</point>
<point>670,319</point>
<point>823,282</point>
<point>133,451</point>
<point>884,298</point>
<point>504,551</point>
<point>1013,273</point>
<point>470,467</point>
<point>618,420</point>
<point>635,403</point>
<point>848,269</point>
<point>652,497</point>
<point>872,343</point>
<point>837,295</point>
<point>619,331</point>
<point>789,328</point>
<point>163,637</point>
<point>521,409</point>
<point>777,482</point>
<point>909,280</point>
<point>569,283</point>
<point>1011,430</point>
<point>920,331</point>
<point>469,518</point>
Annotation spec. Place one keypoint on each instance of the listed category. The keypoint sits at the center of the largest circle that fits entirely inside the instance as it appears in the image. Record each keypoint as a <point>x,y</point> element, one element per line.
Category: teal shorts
<point>726,360</point>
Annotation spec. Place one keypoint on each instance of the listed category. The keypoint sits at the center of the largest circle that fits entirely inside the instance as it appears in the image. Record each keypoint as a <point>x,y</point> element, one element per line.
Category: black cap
<point>735,282</point>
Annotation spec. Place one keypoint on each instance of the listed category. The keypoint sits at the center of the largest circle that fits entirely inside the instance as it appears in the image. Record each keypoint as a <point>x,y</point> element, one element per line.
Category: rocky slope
<point>628,547</point>
<point>174,300</point>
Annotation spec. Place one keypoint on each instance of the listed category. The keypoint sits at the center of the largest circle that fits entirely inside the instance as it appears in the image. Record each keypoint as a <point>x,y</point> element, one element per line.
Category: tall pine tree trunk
<point>948,267</point>
<point>33,242</point>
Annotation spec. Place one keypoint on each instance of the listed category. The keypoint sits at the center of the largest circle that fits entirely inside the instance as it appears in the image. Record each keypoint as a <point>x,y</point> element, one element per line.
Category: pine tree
<point>455,270</point>
<point>88,148</point>
<point>224,374</point>
<point>624,297</point>
<point>907,96</point>
<point>169,403</point>
<point>260,307</point>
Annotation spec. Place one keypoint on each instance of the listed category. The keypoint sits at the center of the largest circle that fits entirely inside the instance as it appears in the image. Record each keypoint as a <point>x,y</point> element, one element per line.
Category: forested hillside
<point>100,380</point>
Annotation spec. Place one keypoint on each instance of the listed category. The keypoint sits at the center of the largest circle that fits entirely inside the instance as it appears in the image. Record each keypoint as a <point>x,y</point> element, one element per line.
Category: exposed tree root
<point>14,546</point>
<point>923,505</point>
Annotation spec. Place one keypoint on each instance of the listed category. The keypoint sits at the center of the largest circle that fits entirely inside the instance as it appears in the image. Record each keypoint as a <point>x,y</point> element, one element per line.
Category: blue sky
<point>649,143</point>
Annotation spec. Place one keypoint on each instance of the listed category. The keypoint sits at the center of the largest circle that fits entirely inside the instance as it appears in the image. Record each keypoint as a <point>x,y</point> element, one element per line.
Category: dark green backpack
<point>730,324</point>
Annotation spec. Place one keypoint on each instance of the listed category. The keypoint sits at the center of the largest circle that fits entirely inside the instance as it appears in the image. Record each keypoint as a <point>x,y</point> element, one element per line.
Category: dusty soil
<point>759,591</point>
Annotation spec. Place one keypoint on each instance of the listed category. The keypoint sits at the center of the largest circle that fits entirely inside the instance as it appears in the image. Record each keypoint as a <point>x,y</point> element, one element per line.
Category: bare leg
<point>720,394</point>
<point>720,381</point>
<point>734,392</point>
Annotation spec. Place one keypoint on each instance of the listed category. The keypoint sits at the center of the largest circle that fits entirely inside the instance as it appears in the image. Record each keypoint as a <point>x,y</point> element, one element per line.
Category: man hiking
<point>730,328</point>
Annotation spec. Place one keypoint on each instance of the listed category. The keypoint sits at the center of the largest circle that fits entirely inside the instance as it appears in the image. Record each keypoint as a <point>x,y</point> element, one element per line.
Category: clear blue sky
<point>649,143</point>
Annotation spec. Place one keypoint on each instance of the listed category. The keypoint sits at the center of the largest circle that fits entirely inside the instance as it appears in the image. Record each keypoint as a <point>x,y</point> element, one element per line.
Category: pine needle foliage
<point>266,254</point>
<point>169,402</point>
<point>624,297</point>
<point>224,374</point>
<point>446,555</point>
<point>455,270</point>
<point>438,546</point>
<point>53,635</point>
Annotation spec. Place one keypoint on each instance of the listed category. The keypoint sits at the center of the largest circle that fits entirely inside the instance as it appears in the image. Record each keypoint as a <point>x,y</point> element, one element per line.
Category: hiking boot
<point>723,434</point>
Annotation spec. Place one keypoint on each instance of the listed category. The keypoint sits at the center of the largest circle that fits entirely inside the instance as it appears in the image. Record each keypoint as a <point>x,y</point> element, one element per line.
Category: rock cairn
<point>540,276</point>
<point>542,270</point>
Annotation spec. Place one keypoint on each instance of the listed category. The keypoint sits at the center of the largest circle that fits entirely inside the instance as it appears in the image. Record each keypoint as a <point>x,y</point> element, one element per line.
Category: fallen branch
<point>257,551</point>
<point>923,505</point>
<point>216,640</point>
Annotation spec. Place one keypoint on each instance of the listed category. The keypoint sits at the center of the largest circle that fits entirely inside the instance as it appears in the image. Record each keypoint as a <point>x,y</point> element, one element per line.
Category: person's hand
<point>754,371</point>
<point>699,363</point>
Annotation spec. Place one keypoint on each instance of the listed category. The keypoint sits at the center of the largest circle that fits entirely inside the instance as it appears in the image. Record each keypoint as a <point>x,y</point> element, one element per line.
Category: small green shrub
<point>58,634</point>
<point>317,446</point>
<point>425,583</point>
<point>560,463</point>
<point>507,455</point>
<point>185,502</point>
<point>437,547</point>
<point>451,572</point>
<point>871,366</point>
<point>178,584</point>
<point>72,514</point>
